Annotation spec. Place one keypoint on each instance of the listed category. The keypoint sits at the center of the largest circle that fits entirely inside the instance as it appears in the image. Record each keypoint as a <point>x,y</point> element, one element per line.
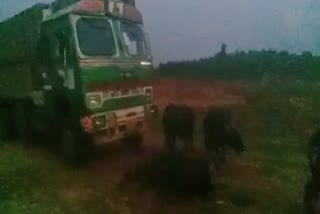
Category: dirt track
<point>198,93</point>
<point>107,184</point>
<point>117,166</point>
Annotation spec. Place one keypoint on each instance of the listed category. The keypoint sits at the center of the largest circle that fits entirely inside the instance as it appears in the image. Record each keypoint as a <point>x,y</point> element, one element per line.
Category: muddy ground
<point>268,179</point>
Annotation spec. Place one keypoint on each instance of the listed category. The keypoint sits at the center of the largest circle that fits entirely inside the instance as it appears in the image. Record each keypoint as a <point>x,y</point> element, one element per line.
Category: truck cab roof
<point>122,9</point>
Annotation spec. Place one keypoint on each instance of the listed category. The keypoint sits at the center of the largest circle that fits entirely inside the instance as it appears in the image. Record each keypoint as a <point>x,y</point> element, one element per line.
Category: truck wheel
<point>4,131</point>
<point>69,147</point>
<point>76,147</point>
<point>9,123</point>
<point>133,141</point>
<point>20,116</point>
<point>31,135</point>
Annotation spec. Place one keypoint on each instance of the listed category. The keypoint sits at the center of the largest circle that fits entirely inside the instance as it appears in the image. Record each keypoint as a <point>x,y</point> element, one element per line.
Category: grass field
<point>269,178</point>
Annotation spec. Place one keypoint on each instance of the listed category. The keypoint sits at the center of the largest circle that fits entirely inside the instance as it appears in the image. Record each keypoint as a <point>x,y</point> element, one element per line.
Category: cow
<point>314,153</point>
<point>312,187</point>
<point>178,121</point>
<point>190,176</point>
<point>219,134</point>
<point>181,175</point>
<point>311,196</point>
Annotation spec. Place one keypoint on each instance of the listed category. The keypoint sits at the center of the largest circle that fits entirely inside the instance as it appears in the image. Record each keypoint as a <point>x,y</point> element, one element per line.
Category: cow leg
<point>223,155</point>
<point>170,142</point>
<point>188,144</point>
<point>191,145</point>
<point>210,150</point>
<point>209,153</point>
<point>211,156</point>
<point>214,159</point>
<point>220,157</point>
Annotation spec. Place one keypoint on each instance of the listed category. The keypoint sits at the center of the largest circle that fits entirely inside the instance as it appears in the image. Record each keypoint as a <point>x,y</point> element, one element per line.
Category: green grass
<point>34,181</point>
<point>269,179</point>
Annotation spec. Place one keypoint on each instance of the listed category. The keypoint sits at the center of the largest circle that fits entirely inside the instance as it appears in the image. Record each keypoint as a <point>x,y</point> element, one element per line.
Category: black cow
<point>311,196</point>
<point>314,154</point>
<point>180,175</point>
<point>220,134</point>
<point>190,176</point>
<point>312,188</point>
<point>178,121</point>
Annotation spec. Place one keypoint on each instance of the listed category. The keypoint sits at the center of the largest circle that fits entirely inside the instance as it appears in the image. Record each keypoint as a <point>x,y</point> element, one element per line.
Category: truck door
<point>62,75</point>
<point>53,73</point>
<point>50,74</point>
<point>40,71</point>
<point>64,72</point>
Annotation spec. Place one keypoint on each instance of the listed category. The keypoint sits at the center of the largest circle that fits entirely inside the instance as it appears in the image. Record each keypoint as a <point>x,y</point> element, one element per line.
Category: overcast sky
<point>191,29</point>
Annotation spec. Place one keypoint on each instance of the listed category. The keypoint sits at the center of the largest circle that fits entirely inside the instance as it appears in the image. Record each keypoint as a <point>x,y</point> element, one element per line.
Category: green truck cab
<point>88,73</point>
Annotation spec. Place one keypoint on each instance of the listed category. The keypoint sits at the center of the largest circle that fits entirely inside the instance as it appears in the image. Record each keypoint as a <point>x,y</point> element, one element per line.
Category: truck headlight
<point>153,109</point>
<point>145,63</point>
<point>149,92</point>
<point>99,122</point>
<point>94,101</point>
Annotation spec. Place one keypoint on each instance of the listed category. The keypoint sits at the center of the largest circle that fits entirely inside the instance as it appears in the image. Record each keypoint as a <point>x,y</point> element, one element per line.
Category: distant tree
<point>306,55</point>
<point>284,53</point>
<point>251,64</point>
<point>223,52</point>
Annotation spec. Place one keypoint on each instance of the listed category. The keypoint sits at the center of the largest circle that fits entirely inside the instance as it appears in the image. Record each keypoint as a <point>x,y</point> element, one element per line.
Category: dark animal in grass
<point>219,134</point>
<point>177,175</point>
<point>178,121</point>
<point>311,196</point>
<point>314,154</point>
<point>189,176</point>
<point>312,187</point>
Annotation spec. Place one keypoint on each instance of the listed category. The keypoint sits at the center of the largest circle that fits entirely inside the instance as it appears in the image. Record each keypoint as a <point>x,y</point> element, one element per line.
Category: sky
<point>190,29</point>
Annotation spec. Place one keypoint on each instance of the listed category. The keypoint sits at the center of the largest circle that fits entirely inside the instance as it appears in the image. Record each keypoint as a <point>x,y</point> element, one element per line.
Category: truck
<point>76,73</point>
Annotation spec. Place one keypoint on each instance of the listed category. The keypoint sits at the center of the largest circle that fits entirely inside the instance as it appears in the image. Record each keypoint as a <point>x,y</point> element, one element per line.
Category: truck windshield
<point>134,39</point>
<point>95,37</point>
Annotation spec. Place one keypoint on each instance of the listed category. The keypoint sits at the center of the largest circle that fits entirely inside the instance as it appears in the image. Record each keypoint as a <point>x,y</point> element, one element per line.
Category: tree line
<point>248,65</point>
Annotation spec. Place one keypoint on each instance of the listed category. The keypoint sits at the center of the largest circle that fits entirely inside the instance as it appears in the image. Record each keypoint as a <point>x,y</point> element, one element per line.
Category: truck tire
<point>68,146</point>
<point>8,121</point>
<point>19,115</point>
<point>12,123</point>
<point>4,135</point>
<point>32,135</point>
<point>76,147</point>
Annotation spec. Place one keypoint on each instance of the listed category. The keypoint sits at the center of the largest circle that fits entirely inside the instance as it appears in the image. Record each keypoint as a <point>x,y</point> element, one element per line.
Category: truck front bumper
<point>114,134</point>
<point>125,123</point>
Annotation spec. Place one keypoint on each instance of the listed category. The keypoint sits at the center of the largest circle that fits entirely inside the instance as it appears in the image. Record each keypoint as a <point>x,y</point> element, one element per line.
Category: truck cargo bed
<point>19,35</point>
